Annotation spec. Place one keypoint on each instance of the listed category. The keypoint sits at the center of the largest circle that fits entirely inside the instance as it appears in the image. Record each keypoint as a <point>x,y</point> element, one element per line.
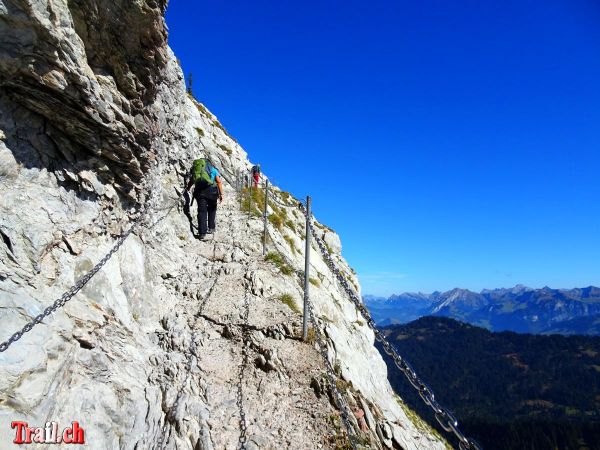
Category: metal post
<point>245,187</point>
<point>306,271</point>
<point>250,198</point>
<point>265,216</point>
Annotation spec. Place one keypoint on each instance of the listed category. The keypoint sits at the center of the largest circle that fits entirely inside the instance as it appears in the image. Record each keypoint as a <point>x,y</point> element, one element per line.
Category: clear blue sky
<point>450,143</point>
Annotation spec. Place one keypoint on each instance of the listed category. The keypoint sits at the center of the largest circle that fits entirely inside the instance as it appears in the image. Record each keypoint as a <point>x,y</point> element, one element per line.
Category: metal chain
<point>293,202</point>
<point>341,404</point>
<point>244,362</point>
<point>445,418</point>
<point>280,203</point>
<point>331,376</point>
<point>68,295</point>
<point>190,358</point>
<point>188,367</point>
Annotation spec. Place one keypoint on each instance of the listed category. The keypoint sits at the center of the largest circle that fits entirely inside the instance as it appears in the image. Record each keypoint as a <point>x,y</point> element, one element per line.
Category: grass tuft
<point>291,243</point>
<point>278,217</point>
<point>288,300</point>
<point>339,439</point>
<point>277,259</point>
<point>311,335</point>
<point>253,199</point>
<point>226,149</point>
<point>276,221</point>
<point>217,124</point>
<point>324,227</point>
<point>202,109</point>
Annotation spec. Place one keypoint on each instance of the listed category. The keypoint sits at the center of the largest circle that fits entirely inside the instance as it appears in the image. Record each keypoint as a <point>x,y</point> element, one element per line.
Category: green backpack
<point>201,173</point>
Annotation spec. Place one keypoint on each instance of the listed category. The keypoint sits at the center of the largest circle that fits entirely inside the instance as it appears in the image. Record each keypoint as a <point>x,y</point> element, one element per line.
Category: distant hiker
<point>256,174</point>
<point>207,189</point>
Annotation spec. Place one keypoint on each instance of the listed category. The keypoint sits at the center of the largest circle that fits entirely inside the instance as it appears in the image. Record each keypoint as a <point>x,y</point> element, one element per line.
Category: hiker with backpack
<point>256,174</point>
<point>207,190</point>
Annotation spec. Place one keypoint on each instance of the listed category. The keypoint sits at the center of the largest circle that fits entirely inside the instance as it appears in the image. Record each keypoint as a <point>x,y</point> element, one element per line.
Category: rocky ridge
<point>519,309</point>
<point>94,121</point>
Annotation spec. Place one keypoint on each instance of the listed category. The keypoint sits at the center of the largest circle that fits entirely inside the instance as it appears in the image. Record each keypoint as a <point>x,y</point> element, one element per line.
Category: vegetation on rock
<point>509,390</point>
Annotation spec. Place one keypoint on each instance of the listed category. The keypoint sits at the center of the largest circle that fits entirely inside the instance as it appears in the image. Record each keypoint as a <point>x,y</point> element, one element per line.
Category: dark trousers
<point>207,214</point>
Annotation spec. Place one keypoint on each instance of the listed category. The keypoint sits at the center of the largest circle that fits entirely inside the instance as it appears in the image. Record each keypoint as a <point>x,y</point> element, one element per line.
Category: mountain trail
<point>173,342</point>
<point>276,383</point>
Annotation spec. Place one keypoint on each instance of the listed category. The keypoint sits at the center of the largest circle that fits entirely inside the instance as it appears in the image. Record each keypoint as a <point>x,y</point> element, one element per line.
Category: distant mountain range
<point>520,309</point>
<point>509,391</point>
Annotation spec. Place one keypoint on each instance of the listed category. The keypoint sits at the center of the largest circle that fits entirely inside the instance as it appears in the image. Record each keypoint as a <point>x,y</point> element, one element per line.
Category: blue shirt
<point>214,173</point>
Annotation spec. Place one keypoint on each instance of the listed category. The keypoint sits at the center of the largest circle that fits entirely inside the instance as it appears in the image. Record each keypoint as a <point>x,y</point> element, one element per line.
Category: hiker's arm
<point>220,187</point>
<point>190,183</point>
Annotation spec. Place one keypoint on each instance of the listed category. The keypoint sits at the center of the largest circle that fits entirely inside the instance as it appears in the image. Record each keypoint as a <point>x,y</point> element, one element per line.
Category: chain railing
<point>340,403</point>
<point>80,284</point>
<point>68,295</point>
<point>280,203</point>
<point>331,378</point>
<point>188,365</point>
<point>444,417</point>
<point>243,364</point>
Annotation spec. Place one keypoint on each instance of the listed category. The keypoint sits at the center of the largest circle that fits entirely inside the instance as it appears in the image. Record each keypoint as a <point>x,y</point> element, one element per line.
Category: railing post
<point>250,198</point>
<point>306,271</point>
<point>265,217</point>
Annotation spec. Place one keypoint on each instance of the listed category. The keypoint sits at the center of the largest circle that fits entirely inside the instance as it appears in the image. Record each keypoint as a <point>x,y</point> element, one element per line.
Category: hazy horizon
<point>364,294</point>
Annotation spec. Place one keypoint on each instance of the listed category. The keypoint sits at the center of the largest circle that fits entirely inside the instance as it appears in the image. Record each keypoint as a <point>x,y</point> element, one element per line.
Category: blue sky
<point>450,144</point>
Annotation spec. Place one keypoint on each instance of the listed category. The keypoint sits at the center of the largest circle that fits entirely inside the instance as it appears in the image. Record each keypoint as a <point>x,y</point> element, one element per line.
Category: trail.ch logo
<point>47,435</point>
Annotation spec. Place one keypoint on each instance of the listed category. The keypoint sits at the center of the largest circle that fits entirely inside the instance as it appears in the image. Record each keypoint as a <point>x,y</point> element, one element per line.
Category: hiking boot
<point>201,237</point>
<point>210,231</point>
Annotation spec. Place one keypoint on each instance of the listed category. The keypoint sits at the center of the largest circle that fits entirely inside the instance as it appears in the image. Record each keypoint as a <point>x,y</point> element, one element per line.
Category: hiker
<point>207,189</point>
<point>256,174</point>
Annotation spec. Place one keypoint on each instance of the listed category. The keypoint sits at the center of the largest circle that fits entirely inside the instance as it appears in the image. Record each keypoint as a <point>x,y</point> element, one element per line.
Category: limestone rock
<point>333,241</point>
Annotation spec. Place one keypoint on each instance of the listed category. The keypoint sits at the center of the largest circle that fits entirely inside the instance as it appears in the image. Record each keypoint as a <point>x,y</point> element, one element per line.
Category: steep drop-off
<point>513,391</point>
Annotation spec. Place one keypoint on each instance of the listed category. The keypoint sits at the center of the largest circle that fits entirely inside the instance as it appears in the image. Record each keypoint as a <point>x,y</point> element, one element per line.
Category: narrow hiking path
<point>281,409</point>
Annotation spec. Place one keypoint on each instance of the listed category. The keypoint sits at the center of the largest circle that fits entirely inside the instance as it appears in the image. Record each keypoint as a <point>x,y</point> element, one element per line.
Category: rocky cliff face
<point>94,122</point>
